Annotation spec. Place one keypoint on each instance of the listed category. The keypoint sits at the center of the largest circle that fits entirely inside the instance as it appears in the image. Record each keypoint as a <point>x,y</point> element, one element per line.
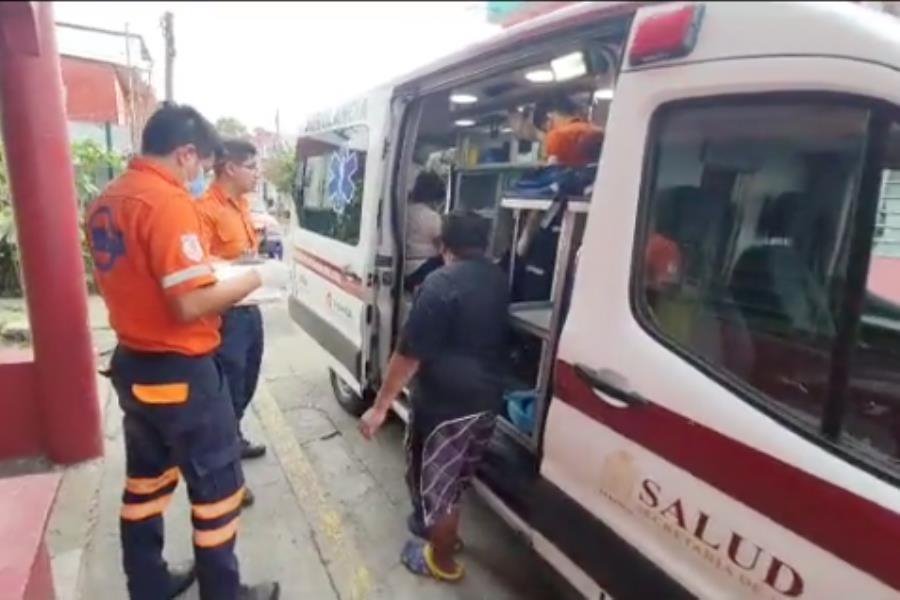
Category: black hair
<point>175,125</point>
<point>428,187</point>
<point>465,233</point>
<point>233,150</point>
<point>559,103</point>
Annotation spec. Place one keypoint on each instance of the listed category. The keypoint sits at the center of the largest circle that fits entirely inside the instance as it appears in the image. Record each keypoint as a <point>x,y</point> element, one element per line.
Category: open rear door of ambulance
<point>334,235</point>
<point>707,439</point>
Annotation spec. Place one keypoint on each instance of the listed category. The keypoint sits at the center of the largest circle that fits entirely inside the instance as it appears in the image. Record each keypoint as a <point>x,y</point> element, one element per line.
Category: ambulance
<point>706,403</point>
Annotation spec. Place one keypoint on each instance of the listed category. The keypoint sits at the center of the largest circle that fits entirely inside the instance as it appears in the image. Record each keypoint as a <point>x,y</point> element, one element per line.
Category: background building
<point>106,83</point>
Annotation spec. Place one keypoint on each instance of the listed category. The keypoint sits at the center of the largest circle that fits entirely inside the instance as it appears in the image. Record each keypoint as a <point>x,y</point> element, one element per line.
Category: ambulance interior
<point>470,136</point>
<point>728,194</point>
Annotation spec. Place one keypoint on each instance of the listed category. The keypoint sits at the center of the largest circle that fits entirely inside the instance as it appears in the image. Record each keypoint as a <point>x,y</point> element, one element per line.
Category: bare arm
<point>401,369</point>
<point>214,299</point>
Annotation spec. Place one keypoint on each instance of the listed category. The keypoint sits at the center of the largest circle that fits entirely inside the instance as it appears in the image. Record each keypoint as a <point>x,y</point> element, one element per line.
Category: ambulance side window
<point>746,223</point>
<point>329,193</point>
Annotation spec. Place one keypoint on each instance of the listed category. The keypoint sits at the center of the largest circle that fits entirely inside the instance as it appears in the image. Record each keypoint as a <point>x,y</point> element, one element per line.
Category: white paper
<point>262,295</point>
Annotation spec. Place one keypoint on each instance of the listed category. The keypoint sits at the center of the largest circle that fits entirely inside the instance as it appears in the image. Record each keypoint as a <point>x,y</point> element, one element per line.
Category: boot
<point>249,498</point>
<point>251,450</point>
<point>180,579</point>
<point>261,591</point>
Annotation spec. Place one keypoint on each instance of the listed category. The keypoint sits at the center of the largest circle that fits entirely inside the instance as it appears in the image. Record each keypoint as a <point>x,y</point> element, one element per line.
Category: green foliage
<point>231,127</point>
<point>93,166</point>
<point>10,281</point>
<point>281,170</point>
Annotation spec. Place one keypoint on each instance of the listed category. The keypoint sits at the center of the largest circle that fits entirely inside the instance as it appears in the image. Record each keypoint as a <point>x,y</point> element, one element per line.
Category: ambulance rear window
<point>330,178</point>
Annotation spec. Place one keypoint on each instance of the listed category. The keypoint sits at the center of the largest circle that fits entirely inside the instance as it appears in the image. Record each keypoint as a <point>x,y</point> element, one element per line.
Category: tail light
<point>668,34</point>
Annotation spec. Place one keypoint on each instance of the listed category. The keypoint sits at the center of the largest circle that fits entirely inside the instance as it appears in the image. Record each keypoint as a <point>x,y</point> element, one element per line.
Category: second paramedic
<point>230,236</point>
<point>163,301</point>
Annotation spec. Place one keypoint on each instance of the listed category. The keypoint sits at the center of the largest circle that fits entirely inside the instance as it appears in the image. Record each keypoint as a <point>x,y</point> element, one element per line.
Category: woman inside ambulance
<point>423,228</point>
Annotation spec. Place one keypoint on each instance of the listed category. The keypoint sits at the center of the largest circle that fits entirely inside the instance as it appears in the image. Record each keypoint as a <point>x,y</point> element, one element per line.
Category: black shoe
<point>261,591</point>
<point>249,498</point>
<point>249,450</point>
<point>180,579</point>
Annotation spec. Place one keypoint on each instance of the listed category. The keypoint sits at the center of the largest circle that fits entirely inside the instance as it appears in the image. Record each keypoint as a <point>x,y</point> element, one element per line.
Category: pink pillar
<point>43,189</point>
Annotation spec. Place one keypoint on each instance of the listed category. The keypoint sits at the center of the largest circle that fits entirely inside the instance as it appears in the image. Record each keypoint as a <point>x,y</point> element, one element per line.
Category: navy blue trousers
<point>178,422</point>
<point>240,354</point>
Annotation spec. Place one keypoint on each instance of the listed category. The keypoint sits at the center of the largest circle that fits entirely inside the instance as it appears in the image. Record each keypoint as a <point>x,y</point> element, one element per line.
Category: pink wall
<point>884,278</point>
<point>20,433</point>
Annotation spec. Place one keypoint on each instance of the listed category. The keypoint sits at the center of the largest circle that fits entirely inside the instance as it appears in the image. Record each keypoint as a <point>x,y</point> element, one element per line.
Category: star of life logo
<point>342,167</point>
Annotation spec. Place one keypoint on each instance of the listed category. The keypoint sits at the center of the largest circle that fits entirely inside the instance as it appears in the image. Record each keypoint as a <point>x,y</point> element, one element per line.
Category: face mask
<point>198,186</point>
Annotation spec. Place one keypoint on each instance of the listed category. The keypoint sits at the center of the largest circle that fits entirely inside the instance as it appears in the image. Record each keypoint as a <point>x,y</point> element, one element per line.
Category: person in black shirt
<point>452,349</point>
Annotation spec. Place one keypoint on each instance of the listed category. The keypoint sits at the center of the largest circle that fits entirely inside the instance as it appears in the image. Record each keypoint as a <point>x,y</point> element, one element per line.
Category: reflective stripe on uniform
<point>151,508</point>
<point>146,486</point>
<point>173,279</point>
<point>161,393</point>
<point>214,510</point>
<point>210,538</point>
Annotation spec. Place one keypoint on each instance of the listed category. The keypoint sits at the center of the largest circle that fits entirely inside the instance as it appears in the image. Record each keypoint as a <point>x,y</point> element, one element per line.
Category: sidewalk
<point>330,510</point>
<point>273,539</point>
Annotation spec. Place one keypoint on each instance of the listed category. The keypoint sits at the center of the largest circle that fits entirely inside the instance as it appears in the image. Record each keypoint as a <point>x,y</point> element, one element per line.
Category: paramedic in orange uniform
<point>230,235</point>
<point>569,141</point>
<point>164,301</point>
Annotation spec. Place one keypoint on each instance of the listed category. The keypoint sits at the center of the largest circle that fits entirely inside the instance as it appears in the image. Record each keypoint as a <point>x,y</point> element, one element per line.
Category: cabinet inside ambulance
<point>485,139</point>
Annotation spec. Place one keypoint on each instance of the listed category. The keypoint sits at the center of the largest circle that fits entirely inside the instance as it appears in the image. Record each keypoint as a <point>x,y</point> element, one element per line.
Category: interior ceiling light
<point>540,76</point>
<point>463,98</point>
<point>606,94</point>
<point>569,66</point>
<point>464,123</point>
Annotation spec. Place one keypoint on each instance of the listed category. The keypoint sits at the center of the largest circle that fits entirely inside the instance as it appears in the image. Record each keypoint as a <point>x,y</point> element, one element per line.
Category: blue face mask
<point>198,186</point>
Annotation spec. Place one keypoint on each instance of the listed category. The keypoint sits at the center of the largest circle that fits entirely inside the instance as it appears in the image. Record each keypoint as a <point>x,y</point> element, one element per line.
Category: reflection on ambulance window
<point>744,267</point>
<point>871,424</point>
<point>330,181</point>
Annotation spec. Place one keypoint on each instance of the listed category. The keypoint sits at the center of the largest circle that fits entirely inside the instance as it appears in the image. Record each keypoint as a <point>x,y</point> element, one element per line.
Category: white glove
<point>274,274</point>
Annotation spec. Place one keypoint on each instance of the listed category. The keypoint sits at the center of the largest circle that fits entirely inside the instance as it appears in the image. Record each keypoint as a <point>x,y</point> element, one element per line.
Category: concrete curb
<point>335,542</point>
<point>74,516</point>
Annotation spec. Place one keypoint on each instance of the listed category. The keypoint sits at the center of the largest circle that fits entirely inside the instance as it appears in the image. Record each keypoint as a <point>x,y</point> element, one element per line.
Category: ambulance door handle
<point>611,384</point>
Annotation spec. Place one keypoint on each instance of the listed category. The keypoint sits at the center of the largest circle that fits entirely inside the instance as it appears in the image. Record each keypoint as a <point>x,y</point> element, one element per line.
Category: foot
<point>263,591</point>
<point>417,528</point>
<point>418,557</point>
<point>250,450</point>
<point>180,579</point>
<point>249,498</point>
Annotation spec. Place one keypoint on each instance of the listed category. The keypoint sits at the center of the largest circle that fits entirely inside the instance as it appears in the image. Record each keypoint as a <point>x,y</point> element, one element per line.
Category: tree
<point>231,127</point>
<point>280,169</point>
<point>93,166</point>
<point>10,268</point>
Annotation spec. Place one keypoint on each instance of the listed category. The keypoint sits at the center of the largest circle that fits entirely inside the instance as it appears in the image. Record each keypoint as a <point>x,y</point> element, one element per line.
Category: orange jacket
<point>145,238</point>
<point>228,228</point>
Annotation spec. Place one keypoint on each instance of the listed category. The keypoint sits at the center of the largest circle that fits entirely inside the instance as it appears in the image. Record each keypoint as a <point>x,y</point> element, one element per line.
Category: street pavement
<point>330,511</point>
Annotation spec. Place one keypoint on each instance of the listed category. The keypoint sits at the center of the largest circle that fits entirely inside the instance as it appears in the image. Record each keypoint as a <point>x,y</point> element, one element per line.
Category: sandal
<point>416,528</point>
<point>418,558</point>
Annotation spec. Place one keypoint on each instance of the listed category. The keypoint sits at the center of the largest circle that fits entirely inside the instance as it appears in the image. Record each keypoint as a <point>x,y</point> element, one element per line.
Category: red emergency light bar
<point>666,35</point>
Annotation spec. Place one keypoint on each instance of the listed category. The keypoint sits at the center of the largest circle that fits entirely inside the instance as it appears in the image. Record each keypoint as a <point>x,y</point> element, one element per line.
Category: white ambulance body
<point>717,407</point>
